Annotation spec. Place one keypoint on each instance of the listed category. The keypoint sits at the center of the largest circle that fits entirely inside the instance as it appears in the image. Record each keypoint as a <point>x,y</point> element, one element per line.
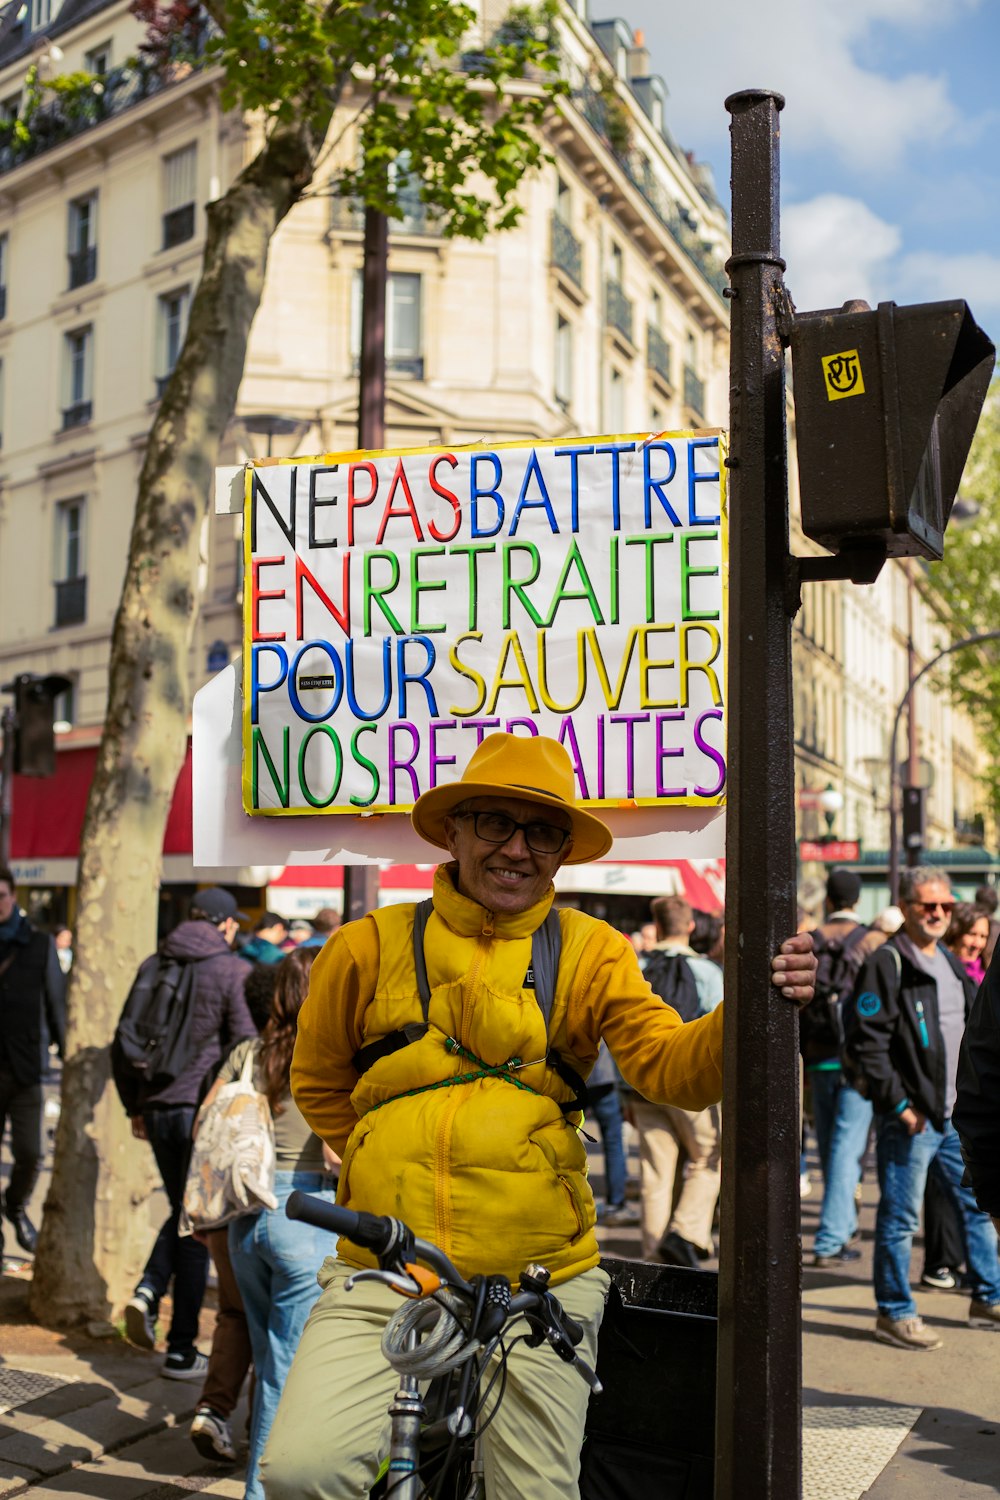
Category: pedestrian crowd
<point>311,1024</point>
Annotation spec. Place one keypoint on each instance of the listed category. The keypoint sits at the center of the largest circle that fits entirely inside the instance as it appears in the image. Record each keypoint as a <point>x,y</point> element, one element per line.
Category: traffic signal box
<point>34,735</point>
<point>914,823</point>
<point>886,406</point>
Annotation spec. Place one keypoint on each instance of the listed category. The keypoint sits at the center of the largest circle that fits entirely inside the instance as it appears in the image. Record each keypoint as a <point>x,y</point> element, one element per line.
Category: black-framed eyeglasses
<point>497,828</point>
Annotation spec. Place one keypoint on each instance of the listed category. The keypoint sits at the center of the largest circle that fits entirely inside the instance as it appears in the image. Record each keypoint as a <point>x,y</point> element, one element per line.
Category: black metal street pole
<point>6,783</point>
<point>969,640</point>
<point>759,1396</point>
<point>361,881</point>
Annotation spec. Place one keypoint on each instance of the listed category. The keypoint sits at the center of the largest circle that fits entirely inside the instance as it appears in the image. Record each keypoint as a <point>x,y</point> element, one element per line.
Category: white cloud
<point>926,276</point>
<point>836,248</point>
<point>815,53</point>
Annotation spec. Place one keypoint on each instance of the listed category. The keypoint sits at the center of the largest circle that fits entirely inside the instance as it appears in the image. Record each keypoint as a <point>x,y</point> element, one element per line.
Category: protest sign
<point>401,606</point>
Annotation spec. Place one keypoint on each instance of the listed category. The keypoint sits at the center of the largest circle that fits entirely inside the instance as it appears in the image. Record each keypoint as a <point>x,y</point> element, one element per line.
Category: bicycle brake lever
<point>404,1285</point>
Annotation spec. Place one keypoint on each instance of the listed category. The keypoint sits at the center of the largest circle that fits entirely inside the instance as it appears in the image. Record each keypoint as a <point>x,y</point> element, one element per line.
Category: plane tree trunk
<point>96,1230</point>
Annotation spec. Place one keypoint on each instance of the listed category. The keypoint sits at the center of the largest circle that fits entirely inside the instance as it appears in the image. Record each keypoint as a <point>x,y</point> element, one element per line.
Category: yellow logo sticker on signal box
<point>842,373</point>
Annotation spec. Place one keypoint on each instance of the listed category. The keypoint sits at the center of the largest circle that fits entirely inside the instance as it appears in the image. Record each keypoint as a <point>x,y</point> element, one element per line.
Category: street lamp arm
<point>968,640</point>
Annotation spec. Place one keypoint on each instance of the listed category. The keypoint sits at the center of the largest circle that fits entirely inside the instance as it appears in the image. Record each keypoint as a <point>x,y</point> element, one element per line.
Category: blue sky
<point>890,134</point>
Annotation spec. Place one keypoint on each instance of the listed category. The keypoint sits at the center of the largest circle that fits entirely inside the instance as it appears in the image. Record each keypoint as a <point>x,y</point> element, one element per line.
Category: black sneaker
<point>187,1364</point>
<point>24,1231</point>
<point>677,1251</point>
<point>942,1279</point>
<point>140,1319</point>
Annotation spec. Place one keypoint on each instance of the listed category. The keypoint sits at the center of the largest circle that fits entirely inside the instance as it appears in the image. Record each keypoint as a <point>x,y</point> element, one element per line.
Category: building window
<point>82,246</point>
<point>564,201</point>
<point>70,575</point>
<point>4,248</point>
<point>564,361</point>
<point>403,323</point>
<point>64,708</point>
<point>171,326</point>
<point>616,268</point>
<point>78,377</point>
<point>43,13</point>
<point>179,186</point>
<point>98,59</point>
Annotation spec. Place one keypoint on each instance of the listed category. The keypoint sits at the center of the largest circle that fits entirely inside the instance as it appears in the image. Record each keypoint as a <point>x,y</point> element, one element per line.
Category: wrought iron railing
<point>617,308</point>
<point>178,226</point>
<point>82,266</point>
<point>72,113</point>
<point>349,213</point>
<point>77,415</point>
<point>694,391</point>
<point>639,171</point>
<point>567,252</point>
<point>71,601</point>
<point>657,352</point>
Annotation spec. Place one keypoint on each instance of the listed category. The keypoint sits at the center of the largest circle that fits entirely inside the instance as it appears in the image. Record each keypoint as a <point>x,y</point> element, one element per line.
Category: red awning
<point>48,811</point>
<point>703,882</point>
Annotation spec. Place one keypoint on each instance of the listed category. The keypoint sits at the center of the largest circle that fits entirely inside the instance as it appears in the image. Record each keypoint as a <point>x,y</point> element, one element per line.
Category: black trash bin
<point>651,1434</point>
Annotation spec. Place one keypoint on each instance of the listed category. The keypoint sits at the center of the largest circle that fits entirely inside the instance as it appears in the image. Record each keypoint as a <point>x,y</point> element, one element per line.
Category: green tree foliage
<point>969,580</point>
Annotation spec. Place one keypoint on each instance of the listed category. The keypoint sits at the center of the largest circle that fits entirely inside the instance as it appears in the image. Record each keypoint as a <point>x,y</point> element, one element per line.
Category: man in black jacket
<point>219,1019</point>
<point>904,1031</point>
<point>977,1108</point>
<point>32,1014</point>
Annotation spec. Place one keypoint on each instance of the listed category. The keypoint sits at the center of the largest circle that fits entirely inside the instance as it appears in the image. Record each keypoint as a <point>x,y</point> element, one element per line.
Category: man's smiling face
<point>506,877</point>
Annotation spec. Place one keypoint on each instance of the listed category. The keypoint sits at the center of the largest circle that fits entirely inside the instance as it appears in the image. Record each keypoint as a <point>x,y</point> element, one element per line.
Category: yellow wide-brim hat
<point>530,768</point>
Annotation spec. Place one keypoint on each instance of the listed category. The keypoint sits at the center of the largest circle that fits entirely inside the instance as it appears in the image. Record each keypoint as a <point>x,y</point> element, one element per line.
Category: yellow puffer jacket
<point>492,1172</point>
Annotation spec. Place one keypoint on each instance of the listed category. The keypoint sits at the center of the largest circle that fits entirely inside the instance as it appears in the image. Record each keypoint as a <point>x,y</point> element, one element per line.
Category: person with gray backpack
<point>185,1012</point>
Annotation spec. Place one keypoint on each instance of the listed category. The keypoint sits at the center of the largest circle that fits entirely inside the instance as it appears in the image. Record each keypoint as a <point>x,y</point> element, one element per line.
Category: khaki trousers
<point>332,1427</point>
<point>666,1134</point>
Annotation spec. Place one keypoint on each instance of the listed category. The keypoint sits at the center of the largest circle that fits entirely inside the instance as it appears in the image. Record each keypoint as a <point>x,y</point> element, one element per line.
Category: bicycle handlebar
<point>388,1238</point>
<point>393,1243</point>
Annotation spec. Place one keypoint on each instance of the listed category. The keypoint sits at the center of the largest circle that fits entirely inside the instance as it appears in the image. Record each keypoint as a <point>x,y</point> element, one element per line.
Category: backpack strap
<point>366,1057</point>
<point>546,950</point>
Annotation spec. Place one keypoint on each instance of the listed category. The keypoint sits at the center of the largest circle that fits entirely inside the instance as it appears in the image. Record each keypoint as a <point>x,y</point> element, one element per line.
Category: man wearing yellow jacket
<point>468,1132</point>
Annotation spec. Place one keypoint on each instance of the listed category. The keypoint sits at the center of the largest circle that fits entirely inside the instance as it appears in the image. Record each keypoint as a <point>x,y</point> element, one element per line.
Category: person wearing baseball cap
<point>454,1099</point>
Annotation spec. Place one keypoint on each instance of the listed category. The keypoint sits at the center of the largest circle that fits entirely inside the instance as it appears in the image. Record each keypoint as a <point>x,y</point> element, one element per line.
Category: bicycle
<point>447,1333</point>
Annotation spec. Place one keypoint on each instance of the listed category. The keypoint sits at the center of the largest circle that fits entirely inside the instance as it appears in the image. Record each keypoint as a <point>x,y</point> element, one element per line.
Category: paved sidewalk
<point>90,1417</point>
<point>96,1418</point>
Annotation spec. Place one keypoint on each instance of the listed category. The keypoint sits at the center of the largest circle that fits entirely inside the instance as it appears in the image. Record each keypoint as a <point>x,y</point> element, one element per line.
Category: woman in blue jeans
<point>276,1259</point>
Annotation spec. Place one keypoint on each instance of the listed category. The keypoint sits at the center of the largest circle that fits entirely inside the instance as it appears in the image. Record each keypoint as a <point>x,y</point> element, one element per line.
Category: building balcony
<point>402,366</point>
<point>617,309</point>
<point>97,99</point>
<point>970,830</point>
<point>694,392</point>
<point>567,252</point>
<point>349,214</point>
<point>71,602</point>
<point>658,353</point>
<point>178,226</point>
<point>608,120</point>
<point>82,266</point>
<point>77,415</point>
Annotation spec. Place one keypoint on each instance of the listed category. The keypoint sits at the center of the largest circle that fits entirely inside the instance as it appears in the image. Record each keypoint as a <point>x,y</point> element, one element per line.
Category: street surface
<point>90,1417</point>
